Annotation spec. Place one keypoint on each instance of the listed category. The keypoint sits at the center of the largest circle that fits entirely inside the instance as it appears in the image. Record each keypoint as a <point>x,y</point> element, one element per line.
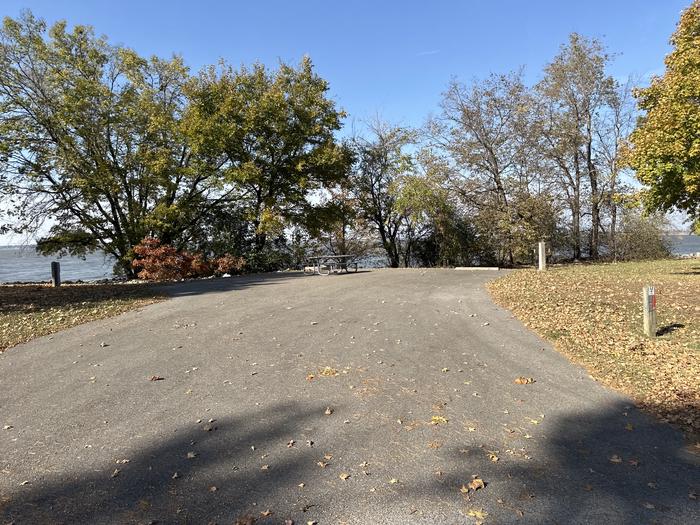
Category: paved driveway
<point>245,423</point>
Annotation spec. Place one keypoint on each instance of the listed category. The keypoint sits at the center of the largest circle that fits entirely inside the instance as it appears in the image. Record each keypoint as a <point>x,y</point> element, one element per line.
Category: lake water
<point>23,264</point>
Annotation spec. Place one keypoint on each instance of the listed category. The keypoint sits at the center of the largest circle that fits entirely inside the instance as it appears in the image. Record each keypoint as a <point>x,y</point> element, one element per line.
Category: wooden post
<point>649,302</point>
<point>56,273</point>
<point>542,252</point>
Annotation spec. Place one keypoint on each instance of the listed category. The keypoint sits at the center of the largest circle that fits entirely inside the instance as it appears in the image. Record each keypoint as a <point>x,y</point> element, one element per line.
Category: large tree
<point>485,131</point>
<point>90,142</point>
<point>381,161</point>
<point>575,92</point>
<point>665,146</point>
<point>272,134</point>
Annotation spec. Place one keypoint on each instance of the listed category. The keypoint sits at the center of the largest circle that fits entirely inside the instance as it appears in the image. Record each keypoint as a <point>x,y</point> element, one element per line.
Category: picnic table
<point>330,264</point>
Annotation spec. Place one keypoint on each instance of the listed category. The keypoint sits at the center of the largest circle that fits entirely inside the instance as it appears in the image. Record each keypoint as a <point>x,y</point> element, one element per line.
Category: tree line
<point>101,148</point>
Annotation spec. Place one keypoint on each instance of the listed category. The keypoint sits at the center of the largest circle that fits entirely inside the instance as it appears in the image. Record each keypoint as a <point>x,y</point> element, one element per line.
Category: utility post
<point>542,253</point>
<point>649,302</point>
<point>55,273</point>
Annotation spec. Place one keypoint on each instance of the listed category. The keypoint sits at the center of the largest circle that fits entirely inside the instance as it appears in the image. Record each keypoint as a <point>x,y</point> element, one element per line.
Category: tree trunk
<point>595,198</point>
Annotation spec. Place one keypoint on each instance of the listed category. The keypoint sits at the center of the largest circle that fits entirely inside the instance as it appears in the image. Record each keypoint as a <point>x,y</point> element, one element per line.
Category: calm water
<point>684,244</point>
<point>23,263</point>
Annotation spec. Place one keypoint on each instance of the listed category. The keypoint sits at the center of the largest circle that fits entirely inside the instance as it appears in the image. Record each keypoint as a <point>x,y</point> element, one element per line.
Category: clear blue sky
<point>380,57</point>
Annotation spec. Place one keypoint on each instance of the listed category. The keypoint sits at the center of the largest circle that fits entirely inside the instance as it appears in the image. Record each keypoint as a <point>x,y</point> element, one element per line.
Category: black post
<point>56,273</point>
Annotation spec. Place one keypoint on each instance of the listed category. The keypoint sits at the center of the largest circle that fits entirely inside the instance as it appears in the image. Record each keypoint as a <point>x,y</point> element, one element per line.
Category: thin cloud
<point>428,53</point>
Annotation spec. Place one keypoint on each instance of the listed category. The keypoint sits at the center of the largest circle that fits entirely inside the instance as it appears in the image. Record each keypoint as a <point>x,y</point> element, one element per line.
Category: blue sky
<point>391,59</point>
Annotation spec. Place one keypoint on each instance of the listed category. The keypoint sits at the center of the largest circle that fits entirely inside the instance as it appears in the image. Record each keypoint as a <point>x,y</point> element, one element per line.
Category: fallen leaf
<point>291,443</point>
<point>265,467</point>
<point>266,513</point>
<point>301,485</point>
<point>493,457</point>
<point>344,476</point>
<point>476,484</point>
<point>615,459</point>
<point>191,455</point>
<point>438,420</point>
<point>328,411</point>
<point>309,377</point>
<point>322,464</point>
<point>115,473</point>
<point>212,489</point>
<point>328,371</point>
<point>524,380</point>
<point>629,427</point>
<point>393,481</point>
<point>477,513</point>
<point>649,506</point>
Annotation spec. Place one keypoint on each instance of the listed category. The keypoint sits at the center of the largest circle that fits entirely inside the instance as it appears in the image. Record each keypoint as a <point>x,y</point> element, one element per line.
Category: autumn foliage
<point>162,262</point>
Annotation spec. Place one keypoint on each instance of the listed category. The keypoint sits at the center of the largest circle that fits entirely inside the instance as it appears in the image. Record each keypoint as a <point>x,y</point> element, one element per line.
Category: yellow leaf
<point>477,513</point>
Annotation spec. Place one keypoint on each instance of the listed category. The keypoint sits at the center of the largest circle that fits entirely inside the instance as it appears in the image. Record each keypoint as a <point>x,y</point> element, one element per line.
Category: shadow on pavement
<point>239,282</point>
<point>203,286</point>
<point>148,490</point>
<point>617,467</point>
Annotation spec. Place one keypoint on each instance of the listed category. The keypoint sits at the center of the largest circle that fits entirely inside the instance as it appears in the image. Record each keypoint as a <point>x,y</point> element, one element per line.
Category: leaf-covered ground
<point>593,314</point>
<point>33,310</point>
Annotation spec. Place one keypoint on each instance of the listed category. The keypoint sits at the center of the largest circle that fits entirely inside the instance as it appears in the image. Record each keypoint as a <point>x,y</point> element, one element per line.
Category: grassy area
<point>593,314</point>
<point>32,310</point>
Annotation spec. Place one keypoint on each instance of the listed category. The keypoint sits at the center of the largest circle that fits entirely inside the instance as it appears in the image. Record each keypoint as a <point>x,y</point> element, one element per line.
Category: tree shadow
<point>35,297</point>
<point>161,484</point>
<point>615,466</point>
<point>694,270</point>
<point>227,284</point>
<point>669,328</point>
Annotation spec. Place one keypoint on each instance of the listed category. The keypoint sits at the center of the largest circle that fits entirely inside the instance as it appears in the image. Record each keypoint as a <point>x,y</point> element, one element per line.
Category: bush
<point>641,237</point>
<point>229,264</point>
<point>200,267</point>
<point>160,262</point>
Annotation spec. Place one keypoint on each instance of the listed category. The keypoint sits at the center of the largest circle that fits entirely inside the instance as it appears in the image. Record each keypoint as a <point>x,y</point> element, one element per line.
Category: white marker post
<point>649,302</point>
<point>542,252</point>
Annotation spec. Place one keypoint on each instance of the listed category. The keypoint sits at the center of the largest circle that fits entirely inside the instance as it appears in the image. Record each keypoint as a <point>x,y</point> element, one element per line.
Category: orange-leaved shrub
<point>160,262</point>
<point>229,264</point>
<point>200,267</point>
